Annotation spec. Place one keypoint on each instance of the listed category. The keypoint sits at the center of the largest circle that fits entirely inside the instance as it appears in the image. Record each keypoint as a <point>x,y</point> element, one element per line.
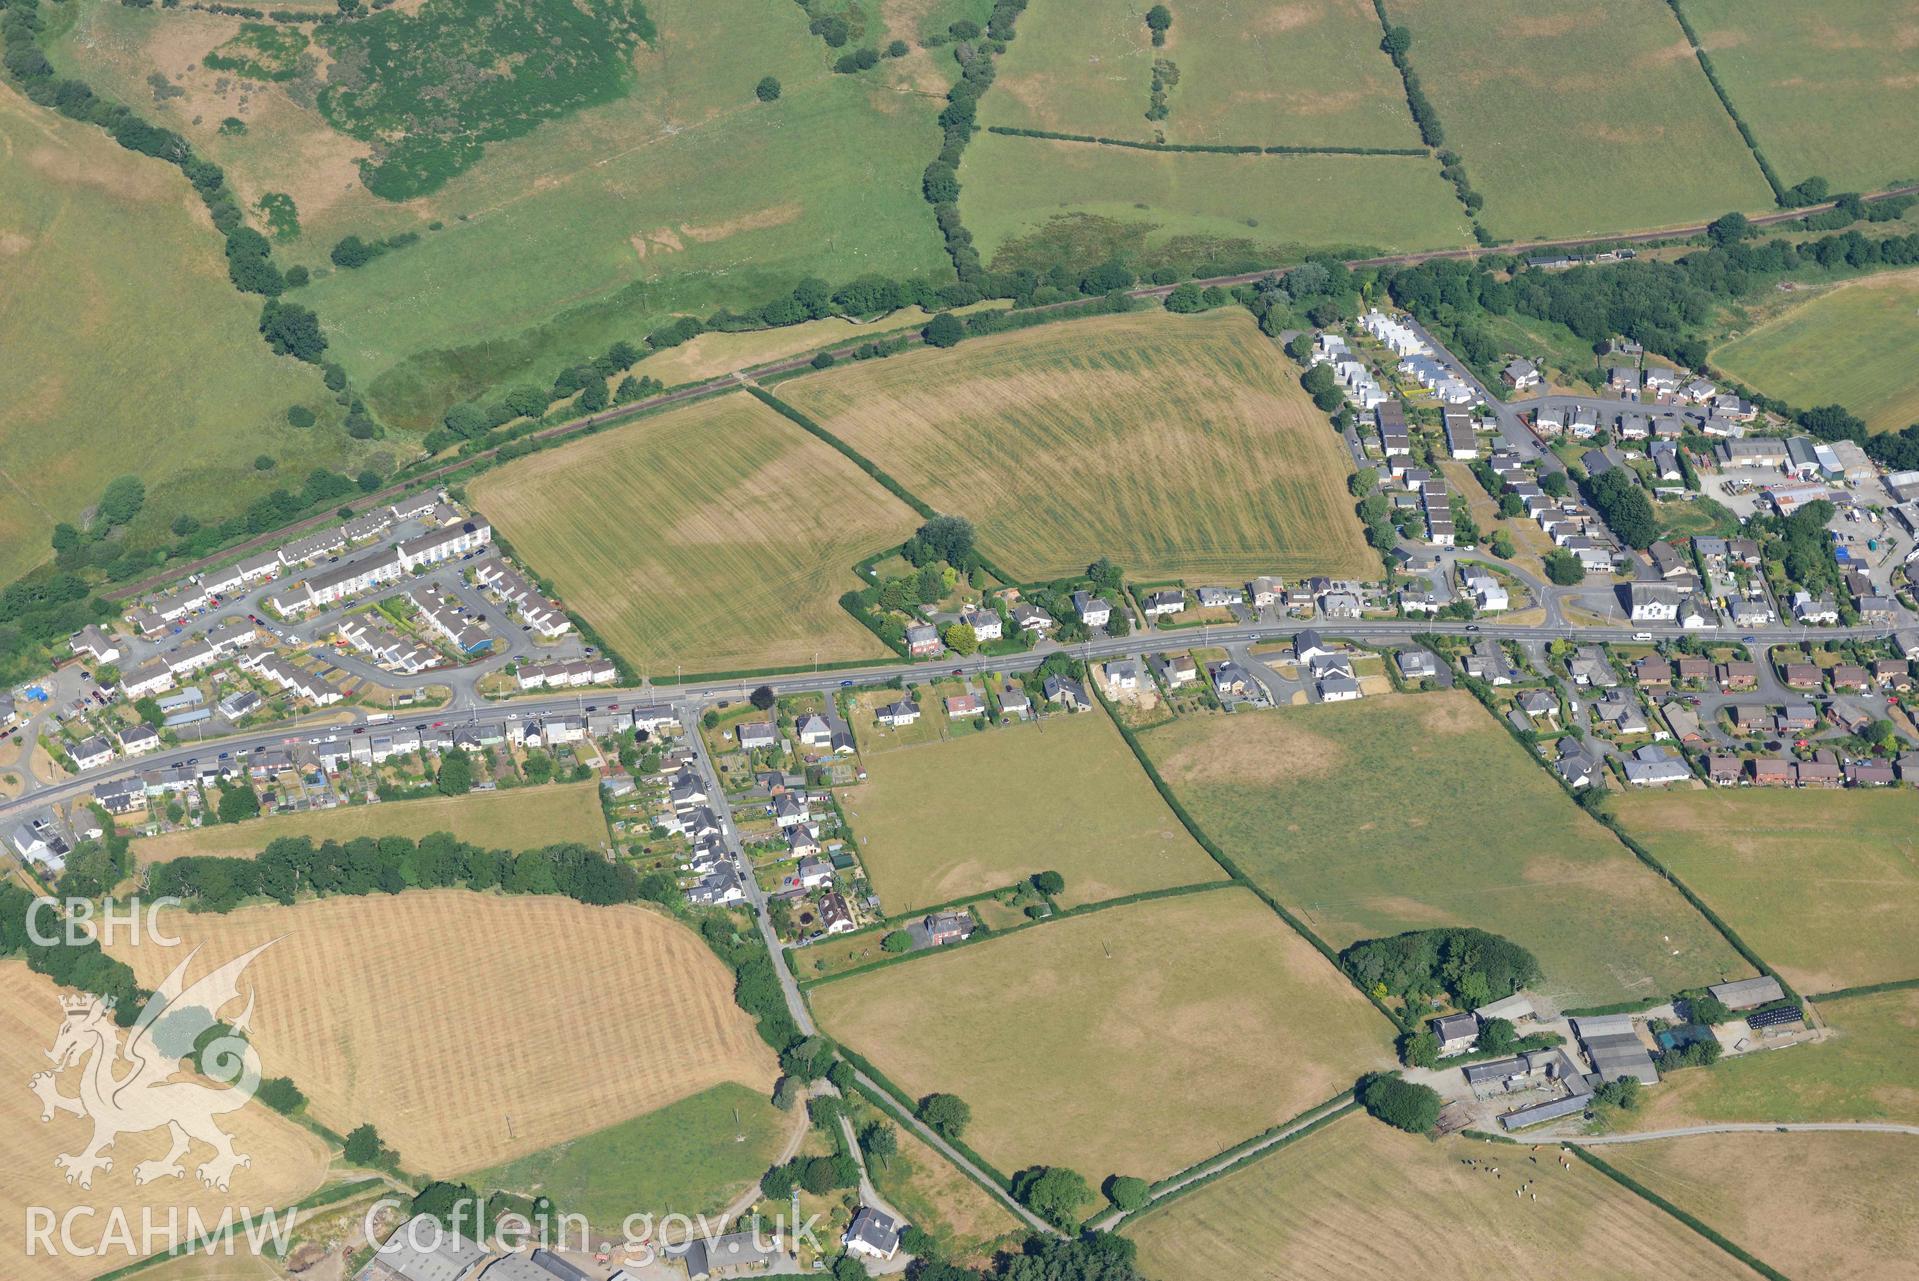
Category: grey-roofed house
<point>1654,766</point>
<point>754,735</point>
<point>873,1233</point>
<point>1416,664</point>
<point>1065,691</point>
<point>1456,1032</point>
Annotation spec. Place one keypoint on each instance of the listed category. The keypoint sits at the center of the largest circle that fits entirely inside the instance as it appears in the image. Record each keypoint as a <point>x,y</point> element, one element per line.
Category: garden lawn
<point>1824,887</point>
<point>1403,812</point>
<point>1811,1205</point>
<point>1195,207</point>
<point>1281,75</point>
<point>1174,445</point>
<point>691,1157</point>
<point>517,818</point>
<point>714,537</point>
<point>1861,1072</point>
<point>1362,1200</point>
<point>1135,1040</point>
<point>1579,118</point>
<point>101,253</point>
<point>967,815</point>
<point>1851,345</point>
<point>1820,85</point>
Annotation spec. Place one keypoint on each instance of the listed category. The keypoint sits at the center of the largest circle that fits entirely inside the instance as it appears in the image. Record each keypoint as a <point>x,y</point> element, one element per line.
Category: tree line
<point>291,866</point>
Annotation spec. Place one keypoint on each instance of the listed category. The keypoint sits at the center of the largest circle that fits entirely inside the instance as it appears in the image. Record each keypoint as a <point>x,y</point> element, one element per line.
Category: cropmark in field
<point>710,538</point>
<point>1134,1040</point>
<point>1403,812</point>
<point>1174,445</point>
<point>470,1028</point>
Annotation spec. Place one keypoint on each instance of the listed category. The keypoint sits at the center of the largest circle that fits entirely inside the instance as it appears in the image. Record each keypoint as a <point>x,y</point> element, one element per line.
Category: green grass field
<point>714,537</point>
<point>101,253</point>
<point>1184,206</point>
<point>691,1157</point>
<point>683,196</point>
<point>1863,1072</point>
<point>518,818</point>
<point>1283,75</point>
<point>1831,1188</point>
<point>1135,1040</point>
<point>1564,142</point>
<point>1363,1201</point>
<point>1822,887</point>
<point>945,820</point>
<point>1401,812</point>
<point>1813,81</point>
<point>1851,345</point>
<point>1174,445</point>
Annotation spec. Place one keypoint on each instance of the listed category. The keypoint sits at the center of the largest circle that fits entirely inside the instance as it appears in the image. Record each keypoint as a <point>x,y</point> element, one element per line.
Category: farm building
<point>1746,994</point>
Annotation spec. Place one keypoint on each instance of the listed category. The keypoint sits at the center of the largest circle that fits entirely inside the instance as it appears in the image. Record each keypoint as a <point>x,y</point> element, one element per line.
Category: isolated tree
<point>363,1147</point>
<point>237,803</point>
<point>960,638</point>
<point>1053,1192</point>
<point>763,698</point>
<point>1048,882</point>
<point>1400,1104</point>
<point>896,941</point>
<point>1158,20</point>
<point>947,1115</point>
<point>1564,568</point>
<point>299,416</point>
<point>767,90</point>
<point>879,1140</point>
<point>944,330</point>
<point>1729,229</point>
<point>456,774</point>
<point>121,502</point>
<point>786,1094</point>
<point>1127,1192</point>
<point>1363,482</point>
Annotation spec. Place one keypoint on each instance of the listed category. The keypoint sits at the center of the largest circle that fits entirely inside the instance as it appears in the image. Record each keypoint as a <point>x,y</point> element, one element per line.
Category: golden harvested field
<point>288,1162</point>
<point>1136,1040</point>
<point>1812,1205</point>
<point>1361,1200</point>
<point>1822,886</point>
<point>943,820</point>
<point>472,1029</point>
<point>516,819</point>
<point>1402,812</point>
<point>1173,444</point>
<point>717,536</point>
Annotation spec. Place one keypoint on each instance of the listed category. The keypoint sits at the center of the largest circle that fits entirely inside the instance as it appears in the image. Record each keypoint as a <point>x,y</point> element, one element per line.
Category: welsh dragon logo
<point>130,1087</point>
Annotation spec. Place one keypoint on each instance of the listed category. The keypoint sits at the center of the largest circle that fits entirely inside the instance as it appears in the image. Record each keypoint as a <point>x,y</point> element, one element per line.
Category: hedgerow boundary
<point>324,1197</point>
<point>1725,100</point>
<point>1646,1194</point>
<point>1231,868</point>
<point>1483,694</point>
<point>1222,149</point>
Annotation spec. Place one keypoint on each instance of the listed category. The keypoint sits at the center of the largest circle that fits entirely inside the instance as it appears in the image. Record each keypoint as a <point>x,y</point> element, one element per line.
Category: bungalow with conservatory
<point>960,707</point>
<point>1218,597</point>
<point>1725,771</point>
<point>1013,702</point>
<point>755,735</point>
